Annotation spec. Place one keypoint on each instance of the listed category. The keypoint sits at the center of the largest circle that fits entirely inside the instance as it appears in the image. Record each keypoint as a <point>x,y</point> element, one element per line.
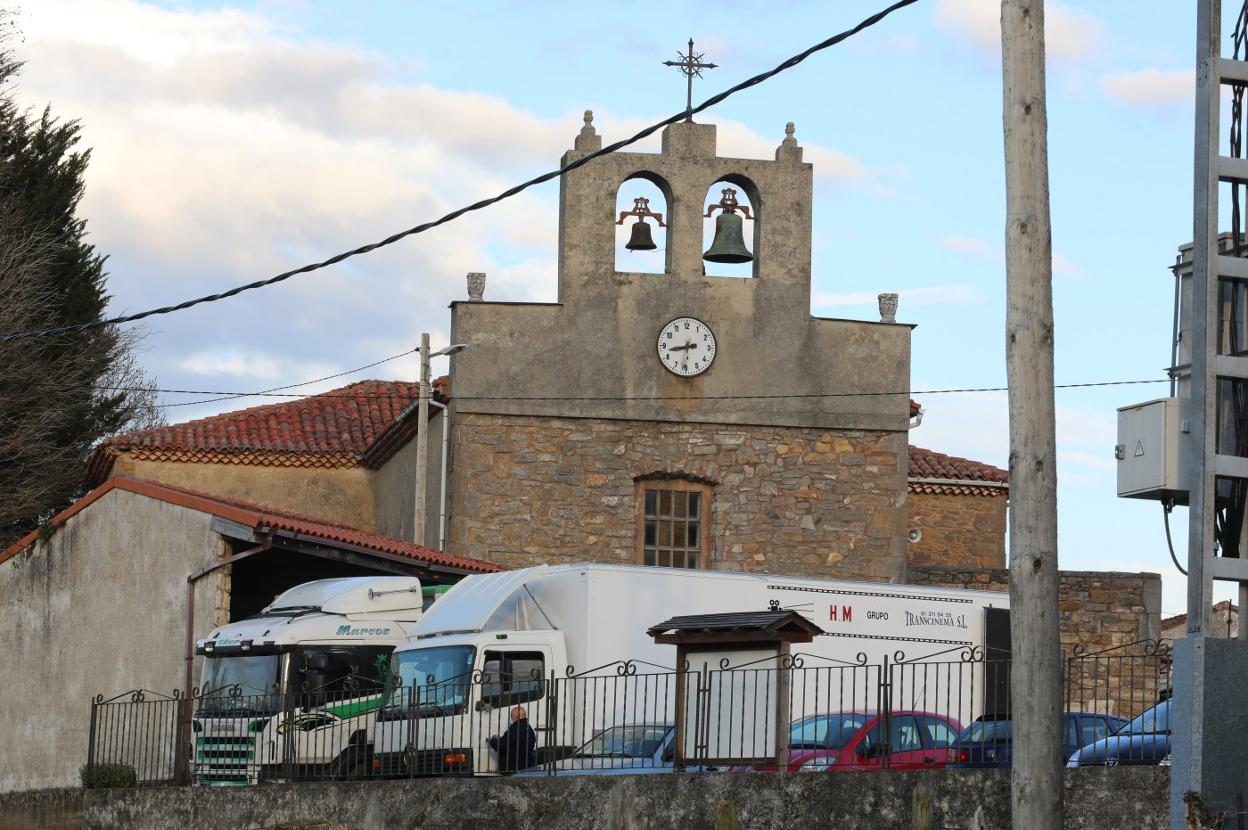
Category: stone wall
<point>1106,620</point>
<point>964,530</point>
<point>83,616</point>
<point>787,500</point>
<point>1117,798</point>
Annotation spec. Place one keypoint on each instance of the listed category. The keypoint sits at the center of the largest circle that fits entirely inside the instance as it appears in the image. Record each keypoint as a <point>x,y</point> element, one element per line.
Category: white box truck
<point>569,643</point>
<point>293,691</point>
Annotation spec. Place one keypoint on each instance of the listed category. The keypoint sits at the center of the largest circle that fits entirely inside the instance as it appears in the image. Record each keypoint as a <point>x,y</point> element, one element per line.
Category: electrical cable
<point>484,203</point>
<point>227,396</point>
<point>1166,506</point>
<point>604,398</point>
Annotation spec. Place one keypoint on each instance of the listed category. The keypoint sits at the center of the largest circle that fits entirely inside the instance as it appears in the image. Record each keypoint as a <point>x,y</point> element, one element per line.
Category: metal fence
<point>797,712</point>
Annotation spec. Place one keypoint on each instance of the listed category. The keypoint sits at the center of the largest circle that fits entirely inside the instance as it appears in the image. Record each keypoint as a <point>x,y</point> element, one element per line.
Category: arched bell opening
<point>730,228</point>
<point>641,210</point>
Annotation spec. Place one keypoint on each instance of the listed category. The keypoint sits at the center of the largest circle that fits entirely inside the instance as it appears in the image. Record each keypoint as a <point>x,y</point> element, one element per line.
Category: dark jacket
<point>517,747</point>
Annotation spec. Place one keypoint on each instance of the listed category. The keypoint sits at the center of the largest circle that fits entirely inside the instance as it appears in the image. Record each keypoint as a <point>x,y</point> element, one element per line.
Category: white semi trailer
<point>570,644</point>
<point>293,691</point>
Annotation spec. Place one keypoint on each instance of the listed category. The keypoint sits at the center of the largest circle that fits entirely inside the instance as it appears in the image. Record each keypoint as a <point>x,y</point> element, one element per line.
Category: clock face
<point>686,347</point>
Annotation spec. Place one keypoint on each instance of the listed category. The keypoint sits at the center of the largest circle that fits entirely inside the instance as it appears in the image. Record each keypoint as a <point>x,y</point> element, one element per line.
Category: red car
<point>849,741</point>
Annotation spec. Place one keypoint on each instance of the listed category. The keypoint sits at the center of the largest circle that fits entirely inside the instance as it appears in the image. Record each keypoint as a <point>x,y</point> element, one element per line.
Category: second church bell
<point>641,240</point>
<point>728,246</point>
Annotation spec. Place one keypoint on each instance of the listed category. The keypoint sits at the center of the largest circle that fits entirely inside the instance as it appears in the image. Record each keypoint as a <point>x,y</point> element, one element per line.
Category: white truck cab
<point>293,691</point>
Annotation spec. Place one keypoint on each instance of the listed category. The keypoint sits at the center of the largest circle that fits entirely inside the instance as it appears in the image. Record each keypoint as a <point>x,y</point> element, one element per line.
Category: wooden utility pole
<point>422,444</point>
<point>1036,682</point>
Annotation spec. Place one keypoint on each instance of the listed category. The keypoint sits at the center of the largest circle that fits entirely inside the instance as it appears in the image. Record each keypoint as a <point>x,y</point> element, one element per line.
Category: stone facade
<point>962,530</point>
<point>1110,623</point>
<point>531,490</point>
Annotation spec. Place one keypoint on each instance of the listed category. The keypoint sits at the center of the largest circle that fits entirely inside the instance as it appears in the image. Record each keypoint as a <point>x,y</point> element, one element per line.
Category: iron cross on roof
<point>690,65</point>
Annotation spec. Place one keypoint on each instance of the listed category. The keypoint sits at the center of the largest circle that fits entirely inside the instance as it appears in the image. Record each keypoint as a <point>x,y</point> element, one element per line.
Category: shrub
<point>107,775</point>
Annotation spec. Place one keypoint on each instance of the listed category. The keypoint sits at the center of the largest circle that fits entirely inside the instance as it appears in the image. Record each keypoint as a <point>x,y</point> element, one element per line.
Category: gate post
<point>90,782</point>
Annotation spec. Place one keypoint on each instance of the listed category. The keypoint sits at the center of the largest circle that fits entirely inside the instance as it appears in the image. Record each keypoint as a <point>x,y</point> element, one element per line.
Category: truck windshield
<point>241,684</point>
<point>434,680</point>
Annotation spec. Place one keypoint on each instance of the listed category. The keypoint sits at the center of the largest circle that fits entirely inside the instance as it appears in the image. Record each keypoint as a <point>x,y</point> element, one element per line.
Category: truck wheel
<point>354,763</point>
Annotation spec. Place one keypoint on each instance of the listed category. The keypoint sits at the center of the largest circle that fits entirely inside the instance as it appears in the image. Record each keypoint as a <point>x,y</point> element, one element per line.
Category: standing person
<point>517,747</point>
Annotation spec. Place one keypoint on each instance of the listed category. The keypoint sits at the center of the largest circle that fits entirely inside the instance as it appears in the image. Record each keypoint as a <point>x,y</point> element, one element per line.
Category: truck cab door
<point>510,677</point>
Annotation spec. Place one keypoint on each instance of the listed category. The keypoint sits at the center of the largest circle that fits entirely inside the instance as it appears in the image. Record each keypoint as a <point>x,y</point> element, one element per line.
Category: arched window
<point>732,203</point>
<point>642,200</point>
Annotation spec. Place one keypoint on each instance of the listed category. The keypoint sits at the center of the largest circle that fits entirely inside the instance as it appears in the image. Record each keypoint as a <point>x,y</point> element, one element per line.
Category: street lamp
<point>422,445</point>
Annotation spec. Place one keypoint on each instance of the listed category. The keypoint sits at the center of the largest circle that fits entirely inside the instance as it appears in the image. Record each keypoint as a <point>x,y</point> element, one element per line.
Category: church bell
<point>641,240</point>
<point>729,243</point>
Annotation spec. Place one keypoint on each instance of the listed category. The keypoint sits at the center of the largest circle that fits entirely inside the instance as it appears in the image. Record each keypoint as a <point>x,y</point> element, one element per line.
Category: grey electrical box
<point>1148,450</point>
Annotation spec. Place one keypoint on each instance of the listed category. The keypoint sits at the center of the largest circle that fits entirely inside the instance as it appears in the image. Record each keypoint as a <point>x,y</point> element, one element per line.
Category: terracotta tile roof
<point>344,427</point>
<point>1181,619</point>
<point>942,474</point>
<point>264,519</point>
<point>360,425</point>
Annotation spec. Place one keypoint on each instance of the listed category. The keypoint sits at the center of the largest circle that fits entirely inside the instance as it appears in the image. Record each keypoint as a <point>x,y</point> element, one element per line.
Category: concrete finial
<point>476,286</point>
<point>888,308</point>
<point>789,149</point>
<point>588,140</point>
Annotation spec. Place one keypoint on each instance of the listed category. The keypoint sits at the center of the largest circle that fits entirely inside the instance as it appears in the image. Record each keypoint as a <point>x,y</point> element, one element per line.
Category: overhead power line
<point>484,203</point>
<point>229,396</point>
<point>274,393</point>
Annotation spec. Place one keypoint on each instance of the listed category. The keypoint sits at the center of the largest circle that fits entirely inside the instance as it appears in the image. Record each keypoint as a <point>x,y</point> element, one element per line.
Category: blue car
<point>1145,740</point>
<point>989,741</point>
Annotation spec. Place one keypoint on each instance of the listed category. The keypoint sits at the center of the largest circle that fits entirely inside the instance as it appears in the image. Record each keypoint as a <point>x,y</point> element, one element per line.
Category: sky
<point>232,141</point>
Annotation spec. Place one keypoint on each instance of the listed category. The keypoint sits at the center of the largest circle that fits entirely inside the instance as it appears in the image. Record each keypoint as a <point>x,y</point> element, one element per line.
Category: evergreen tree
<point>55,404</point>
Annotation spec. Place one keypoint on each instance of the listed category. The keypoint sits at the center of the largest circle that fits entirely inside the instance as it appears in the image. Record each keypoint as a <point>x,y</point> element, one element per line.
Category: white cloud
<point>958,293</point>
<point>255,366</point>
<point>977,248</point>
<point>1063,267</point>
<point>1069,33</point>
<point>1150,87</point>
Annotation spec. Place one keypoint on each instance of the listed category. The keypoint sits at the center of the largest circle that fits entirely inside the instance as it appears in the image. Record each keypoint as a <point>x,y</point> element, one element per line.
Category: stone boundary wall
<point>1101,613</point>
<point>1099,609</point>
<point>1130,798</point>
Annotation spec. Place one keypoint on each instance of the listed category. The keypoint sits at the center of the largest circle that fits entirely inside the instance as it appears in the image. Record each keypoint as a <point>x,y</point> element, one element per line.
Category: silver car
<point>634,749</point>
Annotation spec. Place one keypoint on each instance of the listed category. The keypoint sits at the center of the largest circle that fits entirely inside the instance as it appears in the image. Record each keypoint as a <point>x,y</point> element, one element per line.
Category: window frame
<point>506,696</point>
<point>681,485</point>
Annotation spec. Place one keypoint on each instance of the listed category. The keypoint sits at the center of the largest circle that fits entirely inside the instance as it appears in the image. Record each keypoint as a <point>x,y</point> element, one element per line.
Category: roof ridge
<point>328,394</point>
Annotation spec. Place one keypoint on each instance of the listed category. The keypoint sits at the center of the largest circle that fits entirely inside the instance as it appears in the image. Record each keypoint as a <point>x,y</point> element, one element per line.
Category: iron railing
<point>799,711</point>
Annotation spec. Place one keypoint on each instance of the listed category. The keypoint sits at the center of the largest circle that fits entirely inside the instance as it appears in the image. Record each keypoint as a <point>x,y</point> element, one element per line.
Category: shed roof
<point>265,519</point>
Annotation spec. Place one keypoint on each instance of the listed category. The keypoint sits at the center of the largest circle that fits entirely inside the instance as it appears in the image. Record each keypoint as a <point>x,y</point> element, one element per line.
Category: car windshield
<point>625,742</point>
<point>1154,720</point>
<point>825,731</point>
<point>241,685</point>
<point>436,679</point>
<point>987,731</point>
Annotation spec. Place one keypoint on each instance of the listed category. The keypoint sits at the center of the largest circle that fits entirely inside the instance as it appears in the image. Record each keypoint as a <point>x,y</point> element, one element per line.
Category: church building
<point>682,418</point>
